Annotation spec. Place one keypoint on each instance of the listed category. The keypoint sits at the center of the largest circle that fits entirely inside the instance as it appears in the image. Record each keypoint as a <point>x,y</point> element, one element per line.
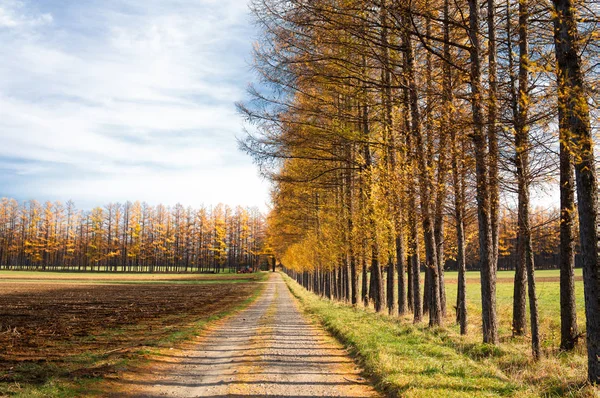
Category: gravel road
<point>269,349</point>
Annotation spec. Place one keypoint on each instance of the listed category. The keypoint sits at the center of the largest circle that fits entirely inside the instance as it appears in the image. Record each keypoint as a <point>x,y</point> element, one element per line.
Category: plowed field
<point>49,327</point>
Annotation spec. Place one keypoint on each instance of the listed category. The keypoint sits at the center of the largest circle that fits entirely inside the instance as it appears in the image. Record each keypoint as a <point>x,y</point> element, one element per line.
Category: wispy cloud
<point>114,100</point>
<point>14,13</point>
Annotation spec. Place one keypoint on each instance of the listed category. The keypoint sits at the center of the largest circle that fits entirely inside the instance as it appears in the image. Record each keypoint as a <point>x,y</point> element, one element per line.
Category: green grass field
<point>548,292</point>
<point>416,361</point>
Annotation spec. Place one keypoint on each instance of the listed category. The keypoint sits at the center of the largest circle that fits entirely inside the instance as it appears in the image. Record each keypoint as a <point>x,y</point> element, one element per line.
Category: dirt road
<point>269,349</point>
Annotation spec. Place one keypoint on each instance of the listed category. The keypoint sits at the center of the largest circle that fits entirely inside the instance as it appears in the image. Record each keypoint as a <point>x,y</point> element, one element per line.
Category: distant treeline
<point>545,240</point>
<point>129,237</point>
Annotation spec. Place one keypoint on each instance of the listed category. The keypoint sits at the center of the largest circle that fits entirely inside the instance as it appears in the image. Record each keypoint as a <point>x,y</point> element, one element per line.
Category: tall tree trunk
<point>492,128</point>
<point>376,292</point>
<point>364,245</point>
<point>426,289</point>
<point>425,184</point>
<point>377,275</point>
<point>575,110</point>
<point>447,100</point>
<point>407,162</point>
<point>486,249</point>
<point>353,278</point>
<point>335,283</point>
<point>347,290</point>
<point>389,156</point>
<point>365,278</point>
<point>415,262</point>
<point>410,297</point>
<point>401,269</point>
<point>371,278</point>
<point>533,305</point>
<point>568,309</point>
<point>439,224</point>
<point>519,319</point>
<point>459,212</point>
<point>522,146</point>
<point>390,287</point>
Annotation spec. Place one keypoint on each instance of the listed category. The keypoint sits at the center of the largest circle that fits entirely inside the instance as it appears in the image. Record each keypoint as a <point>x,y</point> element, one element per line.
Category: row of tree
<point>385,124</point>
<point>129,237</point>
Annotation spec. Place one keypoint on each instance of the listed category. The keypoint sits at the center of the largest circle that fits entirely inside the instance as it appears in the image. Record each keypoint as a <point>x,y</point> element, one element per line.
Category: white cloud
<point>189,188</point>
<point>126,96</point>
<point>14,14</point>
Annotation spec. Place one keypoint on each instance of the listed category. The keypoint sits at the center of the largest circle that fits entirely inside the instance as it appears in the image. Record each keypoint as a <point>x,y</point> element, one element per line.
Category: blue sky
<point>113,100</point>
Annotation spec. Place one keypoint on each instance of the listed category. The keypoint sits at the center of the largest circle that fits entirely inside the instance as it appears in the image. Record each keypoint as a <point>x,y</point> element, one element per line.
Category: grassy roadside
<point>415,361</point>
<point>84,374</point>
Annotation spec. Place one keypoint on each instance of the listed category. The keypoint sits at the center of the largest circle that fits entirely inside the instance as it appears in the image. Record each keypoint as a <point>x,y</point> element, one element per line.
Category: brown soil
<point>49,323</point>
